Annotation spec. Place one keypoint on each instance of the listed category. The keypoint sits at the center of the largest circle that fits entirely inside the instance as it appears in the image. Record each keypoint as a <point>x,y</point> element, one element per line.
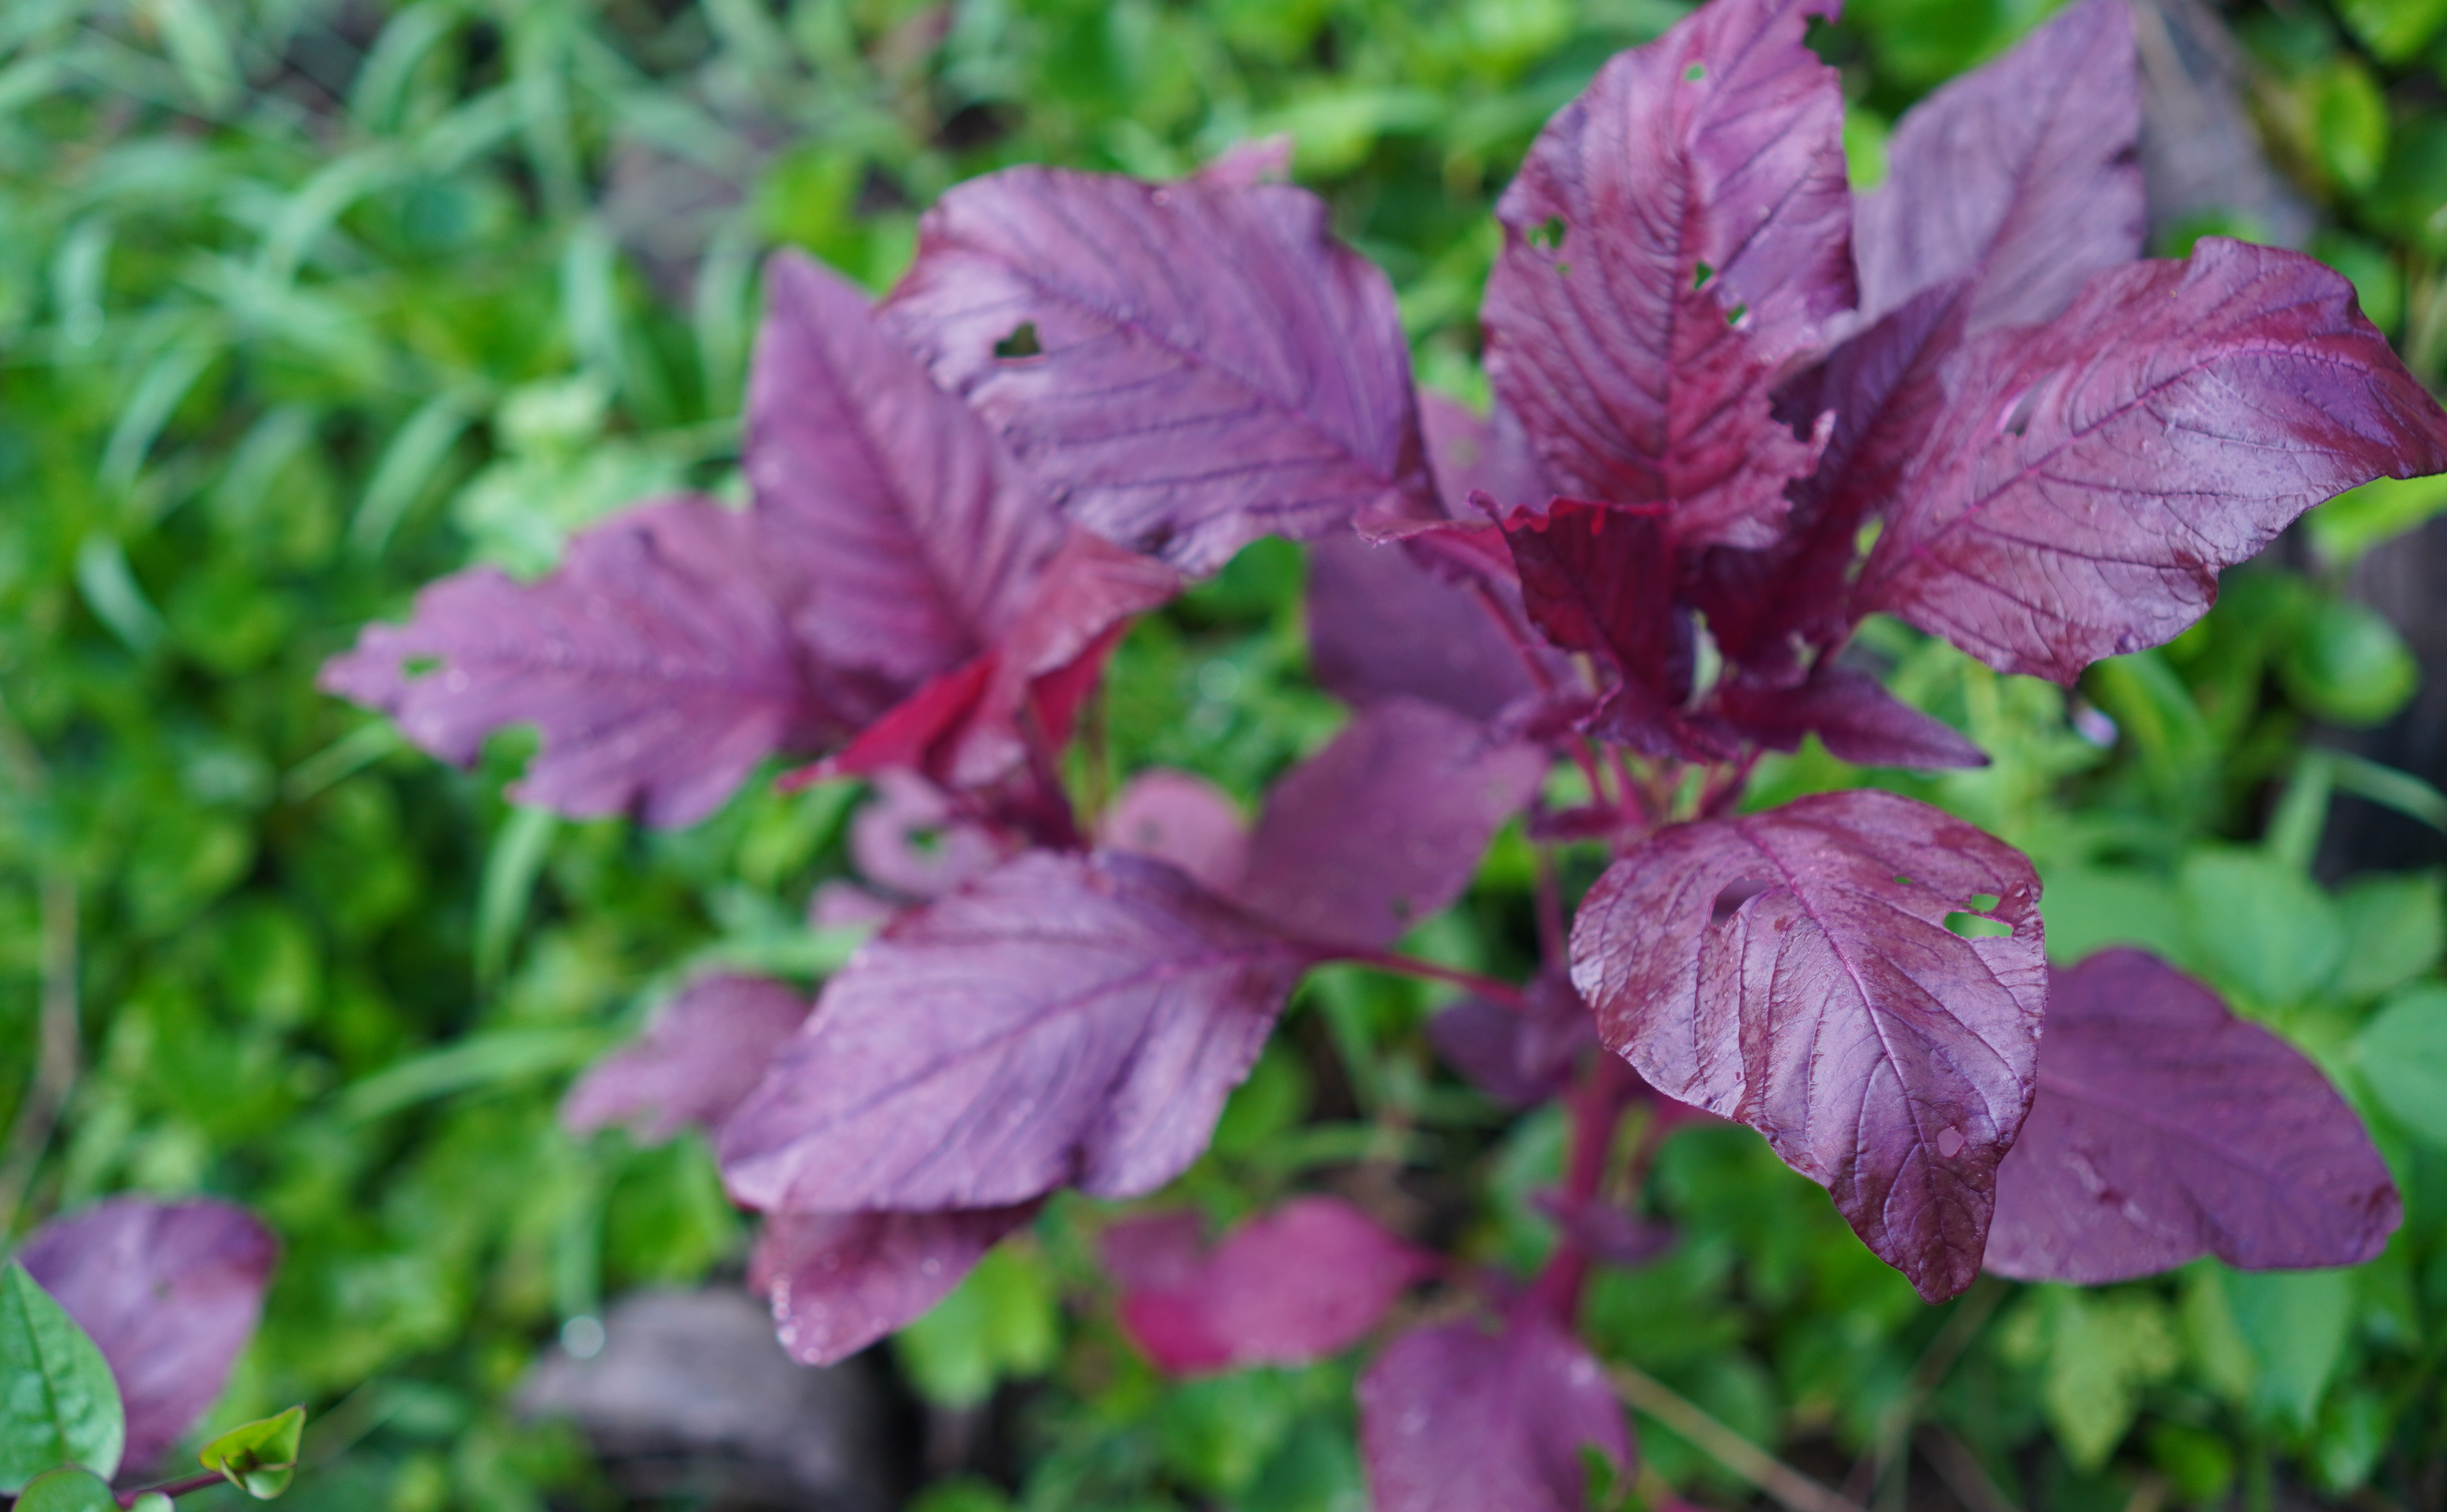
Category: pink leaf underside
<point>1382,625</point>
<point>2023,176</point>
<point>1456,1419</point>
<point>1793,969</point>
<point>1385,827</point>
<point>170,1292</point>
<point>1601,581</point>
<point>1212,367</point>
<point>1301,1283</point>
<point>1181,818</point>
<point>2006,190</point>
<point>705,1052</point>
<point>1518,1057</point>
<point>1063,1019</point>
<point>1720,144</point>
<point>1854,717</point>
<point>2166,1128</point>
<point>917,551</point>
<point>656,661</point>
<point>2093,474</point>
<point>840,1281</point>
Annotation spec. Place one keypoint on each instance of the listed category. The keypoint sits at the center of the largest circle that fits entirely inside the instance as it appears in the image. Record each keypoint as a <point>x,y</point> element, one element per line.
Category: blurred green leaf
<point>2402,1054</point>
<point>67,1491</point>
<point>60,1406</point>
<point>2296,1324</point>
<point>2260,926</point>
<point>2396,928</point>
<point>2348,666</point>
<point>258,1458</point>
<point>2394,30</point>
<point>2356,520</point>
<point>1000,1322</point>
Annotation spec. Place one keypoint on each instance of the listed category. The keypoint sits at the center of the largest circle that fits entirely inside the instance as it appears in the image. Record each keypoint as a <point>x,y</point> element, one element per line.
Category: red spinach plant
<point>1737,411</point>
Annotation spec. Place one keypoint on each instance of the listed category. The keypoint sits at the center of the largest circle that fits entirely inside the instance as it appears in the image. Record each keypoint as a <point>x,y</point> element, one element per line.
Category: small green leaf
<point>68,1490</point>
<point>2396,928</point>
<point>259,1457</point>
<point>2348,666</point>
<point>2403,1058</point>
<point>2395,30</point>
<point>2261,927</point>
<point>58,1402</point>
<point>2296,1324</point>
<point>2358,518</point>
<point>1001,1321</point>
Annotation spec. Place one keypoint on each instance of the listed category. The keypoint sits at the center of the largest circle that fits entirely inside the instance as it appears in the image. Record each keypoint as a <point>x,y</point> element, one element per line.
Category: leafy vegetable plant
<point>1737,411</point>
<point>119,1324</point>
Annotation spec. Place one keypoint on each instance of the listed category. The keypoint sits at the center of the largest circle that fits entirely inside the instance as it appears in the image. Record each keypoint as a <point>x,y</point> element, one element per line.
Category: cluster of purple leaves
<point>1736,410</point>
<point>169,1291</point>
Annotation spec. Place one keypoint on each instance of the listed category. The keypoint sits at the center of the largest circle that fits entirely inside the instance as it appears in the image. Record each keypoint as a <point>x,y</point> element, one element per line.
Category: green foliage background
<point>305,303</point>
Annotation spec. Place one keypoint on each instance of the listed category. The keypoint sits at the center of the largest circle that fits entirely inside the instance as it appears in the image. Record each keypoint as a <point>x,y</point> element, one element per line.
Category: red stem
<point>1597,1105</point>
<point>174,1488</point>
<point>1502,994</point>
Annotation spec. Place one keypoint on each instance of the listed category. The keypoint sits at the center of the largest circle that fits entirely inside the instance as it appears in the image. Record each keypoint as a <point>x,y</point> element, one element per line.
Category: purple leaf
<point>1857,720</point>
<point>1474,454</point>
<point>656,661</point>
<point>1303,1282</point>
<point>1456,1419</point>
<point>1605,1232</point>
<point>2022,176</point>
<point>1676,236</point>
<point>1384,827</point>
<point>1204,363</point>
<point>1063,1019</point>
<point>1517,1058</point>
<point>889,495</point>
<point>1260,159</point>
<point>2166,1128</point>
<point>909,839</point>
<point>1600,581</point>
<point>840,1281</point>
<point>1794,970</point>
<point>170,1292</point>
<point>1187,821</point>
<point>705,1052</point>
<point>2094,474</point>
<point>1381,625</point>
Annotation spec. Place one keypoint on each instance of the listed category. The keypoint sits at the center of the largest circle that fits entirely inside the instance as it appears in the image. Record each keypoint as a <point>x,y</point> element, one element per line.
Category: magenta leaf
<point>1456,1419</point>
<point>1381,625</point>
<point>910,838</point>
<point>1521,1056</point>
<point>1303,1282</point>
<point>2093,474</point>
<point>1600,581</point>
<point>917,552</point>
<point>705,1052</point>
<point>1854,717</point>
<point>2022,176</point>
<point>1385,827</point>
<point>1793,969</point>
<point>840,1281</point>
<point>1676,236</point>
<point>2166,1128</point>
<point>170,1292</point>
<point>1183,818</point>
<point>656,661</point>
<point>1184,367</point>
<point>1063,1019</point>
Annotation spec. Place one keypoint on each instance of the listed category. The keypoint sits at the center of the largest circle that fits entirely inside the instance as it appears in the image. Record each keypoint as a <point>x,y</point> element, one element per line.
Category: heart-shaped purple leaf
<point>705,1052</point>
<point>1183,818</point>
<point>1794,970</point>
<point>1185,366</point>
<point>1062,1019</point>
<point>1456,1419</point>
<point>170,1292</point>
<point>1676,234</point>
<point>1384,827</point>
<point>840,1281</point>
<point>2167,1128</point>
<point>2091,475</point>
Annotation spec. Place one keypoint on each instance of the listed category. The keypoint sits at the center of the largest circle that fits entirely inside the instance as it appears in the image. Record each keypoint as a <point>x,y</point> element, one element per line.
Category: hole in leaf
<point>1734,317</point>
<point>2026,404</point>
<point>1020,343</point>
<point>1549,235</point>
<point>1951,1142</point>
<point>420,666</point>
<point>1701,274</point>
<point>1973,926</point>
<point>1983,902</point>
<point>1733,895</point>
<point>1901,881</point>
<point>1562,270</point>
<point>1696,72</point>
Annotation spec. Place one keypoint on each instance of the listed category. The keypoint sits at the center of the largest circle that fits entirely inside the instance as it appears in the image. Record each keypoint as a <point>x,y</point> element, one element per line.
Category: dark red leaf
<point>1303,1282</point>
<point>1063,1019</point>
<point>705,1052</point>
<point>1381,625</point>
<point>170,1292</point>
<point>1206,364</point>
<point>840,1281</point>
<point>656,661</point>
<point>916,552</point>
<point>1385,827</point>
<point>1456,1419</point>
<point>1793,969</point>
<point>2094,474</point>
<point>1187,821</point>
<point>1857,720</point>
<point>1600,581</point>
<point>2022,176</point>
<point>1676,236</point>
<point>2166,1128</point>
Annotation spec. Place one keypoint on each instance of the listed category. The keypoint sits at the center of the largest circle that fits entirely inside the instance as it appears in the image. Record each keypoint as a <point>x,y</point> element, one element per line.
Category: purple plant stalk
<point>1738,409</point>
